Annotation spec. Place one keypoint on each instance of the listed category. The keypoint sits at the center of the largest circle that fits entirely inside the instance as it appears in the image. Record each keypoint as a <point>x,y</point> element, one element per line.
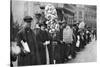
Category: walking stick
<point>53,48</point>
<point>54,61</point>
<point>47,55</point>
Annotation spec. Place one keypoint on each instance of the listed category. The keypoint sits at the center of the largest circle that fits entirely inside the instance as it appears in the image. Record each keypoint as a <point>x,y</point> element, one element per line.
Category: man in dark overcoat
<point>26,35</point>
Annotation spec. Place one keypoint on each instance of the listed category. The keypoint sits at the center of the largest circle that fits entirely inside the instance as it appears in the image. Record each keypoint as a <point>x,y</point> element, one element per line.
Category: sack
<point>15,50</point>
<point>68,36</point>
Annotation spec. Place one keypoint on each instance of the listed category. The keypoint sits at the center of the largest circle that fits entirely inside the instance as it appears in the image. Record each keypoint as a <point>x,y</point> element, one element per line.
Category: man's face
<point>67,27</point>
<point>42,28</point>
<point>28,25</point>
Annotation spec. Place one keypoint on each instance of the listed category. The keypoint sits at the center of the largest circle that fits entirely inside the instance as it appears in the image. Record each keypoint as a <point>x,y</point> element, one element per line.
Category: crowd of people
<point>46,43</point>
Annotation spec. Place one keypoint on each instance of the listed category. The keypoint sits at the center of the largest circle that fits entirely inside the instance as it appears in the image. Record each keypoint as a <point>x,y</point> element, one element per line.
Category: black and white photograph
<point>47,33</point>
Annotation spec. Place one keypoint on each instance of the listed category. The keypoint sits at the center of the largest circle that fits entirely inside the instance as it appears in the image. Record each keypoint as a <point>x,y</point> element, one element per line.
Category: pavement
<point>88,54</point>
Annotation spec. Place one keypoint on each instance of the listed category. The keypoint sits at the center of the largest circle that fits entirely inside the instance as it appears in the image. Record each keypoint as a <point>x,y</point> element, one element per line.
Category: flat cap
<point>28,19</point>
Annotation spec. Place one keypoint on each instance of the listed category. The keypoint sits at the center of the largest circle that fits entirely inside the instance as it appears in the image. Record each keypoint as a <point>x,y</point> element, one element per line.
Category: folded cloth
<point>25,45</point>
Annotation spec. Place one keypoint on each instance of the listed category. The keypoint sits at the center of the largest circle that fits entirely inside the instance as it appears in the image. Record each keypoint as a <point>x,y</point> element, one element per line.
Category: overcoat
<point>32,58</point>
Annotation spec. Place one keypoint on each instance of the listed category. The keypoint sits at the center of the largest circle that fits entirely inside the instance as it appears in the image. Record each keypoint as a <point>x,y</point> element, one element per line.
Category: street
<point>88,54</point>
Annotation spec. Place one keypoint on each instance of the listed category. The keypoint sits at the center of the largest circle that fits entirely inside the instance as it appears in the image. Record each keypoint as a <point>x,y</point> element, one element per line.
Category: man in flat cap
<point>28,44</point>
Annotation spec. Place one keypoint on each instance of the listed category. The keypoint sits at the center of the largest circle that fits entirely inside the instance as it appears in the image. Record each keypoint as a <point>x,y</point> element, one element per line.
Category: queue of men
<point>51,42</point>
<point>30,46</point>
